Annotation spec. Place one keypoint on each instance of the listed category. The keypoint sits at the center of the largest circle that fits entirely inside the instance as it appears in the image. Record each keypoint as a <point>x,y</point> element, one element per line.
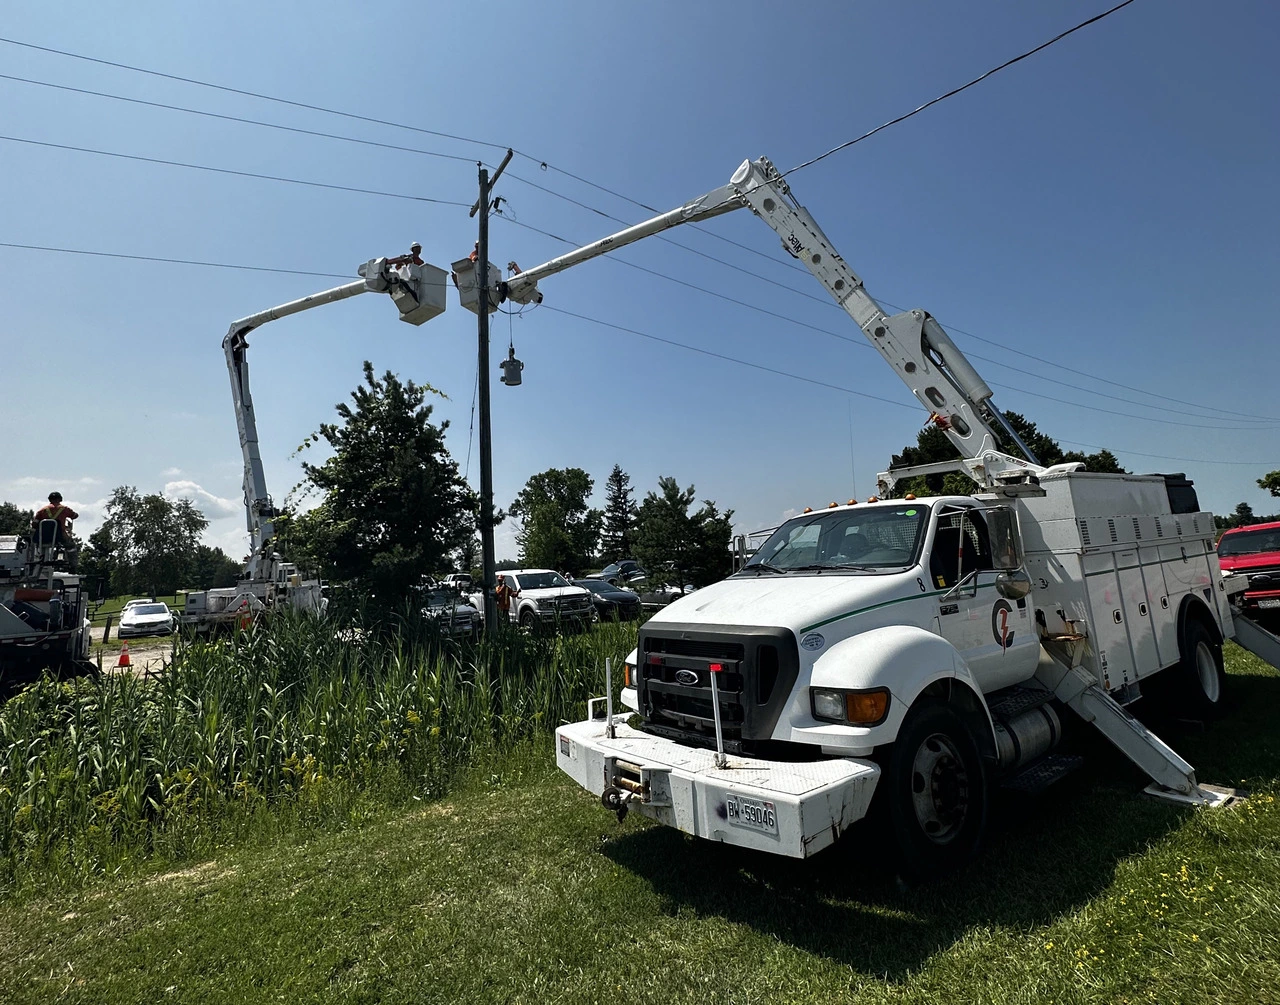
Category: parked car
<point>454,615</point>
<point>1255,551</point>
<point>623,573</point>
<point>129,604</point>
<point>612,603</point>
<point>145,619</point>
<point>546,599</point>
<point>662,595</point>
<point>459,582</point>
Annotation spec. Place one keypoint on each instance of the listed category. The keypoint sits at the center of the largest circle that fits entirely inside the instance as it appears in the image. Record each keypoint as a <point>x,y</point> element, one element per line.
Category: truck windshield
<point>1249,542</point>
<point>886,537</point>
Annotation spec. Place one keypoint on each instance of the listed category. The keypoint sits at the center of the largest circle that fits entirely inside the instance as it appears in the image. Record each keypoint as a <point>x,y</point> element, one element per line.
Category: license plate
<point>1270,602</point>
<point>752,814</point>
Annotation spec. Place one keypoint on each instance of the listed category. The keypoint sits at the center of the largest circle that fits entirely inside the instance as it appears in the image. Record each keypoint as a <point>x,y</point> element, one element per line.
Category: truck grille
<point>759,668</point>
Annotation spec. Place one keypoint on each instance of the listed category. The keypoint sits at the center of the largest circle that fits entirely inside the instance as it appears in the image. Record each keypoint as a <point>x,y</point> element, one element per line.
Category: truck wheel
<point>529,621</point>
<point>935,790</point>
<point>1200,673</point>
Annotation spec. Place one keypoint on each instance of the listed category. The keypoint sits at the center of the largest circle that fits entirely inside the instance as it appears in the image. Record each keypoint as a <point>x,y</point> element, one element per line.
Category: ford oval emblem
<point>689,678</point>
<point>813,641</point>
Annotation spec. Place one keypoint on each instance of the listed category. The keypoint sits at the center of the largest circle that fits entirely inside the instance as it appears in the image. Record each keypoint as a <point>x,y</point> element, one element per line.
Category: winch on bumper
<point>783,807</point>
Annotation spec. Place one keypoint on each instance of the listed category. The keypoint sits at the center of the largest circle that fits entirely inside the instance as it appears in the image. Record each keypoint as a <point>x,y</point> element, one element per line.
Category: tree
<point>1270,481</point>
<point>212,569</point>
<point>394,506</point>
<point>933,446</point>
<point>675,545</point>
<point>14,519</point>
<point>619,516</point>
<point>147,542</point>
<point>558,530</point>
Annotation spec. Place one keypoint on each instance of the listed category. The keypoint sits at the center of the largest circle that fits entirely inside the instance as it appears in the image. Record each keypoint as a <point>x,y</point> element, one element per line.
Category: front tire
<point>529,621</point>
<point>934,788</point>
<point>1201,672</point>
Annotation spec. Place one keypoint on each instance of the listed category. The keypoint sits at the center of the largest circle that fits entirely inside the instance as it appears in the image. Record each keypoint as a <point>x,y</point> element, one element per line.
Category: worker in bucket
<point>61,514</point>
<point>504,593</point>
<point>413,258</point>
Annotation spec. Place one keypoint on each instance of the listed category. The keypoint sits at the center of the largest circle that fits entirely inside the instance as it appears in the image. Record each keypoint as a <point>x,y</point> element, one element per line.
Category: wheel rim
<point>939,788</point>
<point>1207,672</point>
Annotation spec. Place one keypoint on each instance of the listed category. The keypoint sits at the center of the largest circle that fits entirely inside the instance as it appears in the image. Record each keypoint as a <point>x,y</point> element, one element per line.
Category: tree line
<point>388,507</point>
<point>148,544</point>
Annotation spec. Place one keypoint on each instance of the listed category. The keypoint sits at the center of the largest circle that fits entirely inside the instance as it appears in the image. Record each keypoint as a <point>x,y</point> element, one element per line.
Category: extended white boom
<point>912,343</point>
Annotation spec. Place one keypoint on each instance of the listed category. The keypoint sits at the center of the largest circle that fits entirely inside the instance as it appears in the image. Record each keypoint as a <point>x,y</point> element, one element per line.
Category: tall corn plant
<point>97,769</point>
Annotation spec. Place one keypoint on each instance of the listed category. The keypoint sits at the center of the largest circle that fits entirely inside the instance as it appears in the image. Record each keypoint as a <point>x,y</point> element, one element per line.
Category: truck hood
<point>795,601</point>
<point>1247,563</point>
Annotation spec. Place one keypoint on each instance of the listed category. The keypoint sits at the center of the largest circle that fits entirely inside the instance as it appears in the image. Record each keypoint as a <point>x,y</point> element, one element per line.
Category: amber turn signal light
<point>865,708</point>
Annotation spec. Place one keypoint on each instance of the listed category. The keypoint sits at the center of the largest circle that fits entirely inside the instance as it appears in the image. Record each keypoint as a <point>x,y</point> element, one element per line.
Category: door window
<point>961,547</point>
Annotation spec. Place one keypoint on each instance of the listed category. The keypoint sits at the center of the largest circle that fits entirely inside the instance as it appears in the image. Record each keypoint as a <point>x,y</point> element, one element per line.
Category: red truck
<point>1254,551</point>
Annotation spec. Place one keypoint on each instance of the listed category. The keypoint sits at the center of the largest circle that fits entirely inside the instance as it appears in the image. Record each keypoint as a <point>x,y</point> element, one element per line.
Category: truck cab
<point>870,601</point>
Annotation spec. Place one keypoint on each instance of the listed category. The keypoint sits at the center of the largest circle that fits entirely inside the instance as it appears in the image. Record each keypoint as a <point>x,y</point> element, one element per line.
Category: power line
<point>404,149</point>
<point>862,343</point>
<point>863,394</point>
<point>730,359</point>
<point>583,180</point>
<point>695,286</point>
<point>173,261</point>
<point>956,90</point>
<point>251,94</point>
<point>383,122</point>
<point>606,324</point>
<point>231,171</point>
<point>240,119</point>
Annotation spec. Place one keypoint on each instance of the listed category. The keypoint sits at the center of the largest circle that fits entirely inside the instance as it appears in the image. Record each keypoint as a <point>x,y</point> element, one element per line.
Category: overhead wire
<point>956,90</point>
<point>543,164</point>
<point>616,327</point>
<point>231,171</point>
<point>240,119</point>
<point>861,342</point>
<point>861,394</point>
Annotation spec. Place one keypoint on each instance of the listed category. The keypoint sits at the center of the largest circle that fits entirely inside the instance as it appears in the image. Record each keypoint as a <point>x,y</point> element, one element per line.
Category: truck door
<point>995,636</point>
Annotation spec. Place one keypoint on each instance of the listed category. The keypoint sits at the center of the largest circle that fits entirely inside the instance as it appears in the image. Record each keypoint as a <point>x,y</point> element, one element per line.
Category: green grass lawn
<point>520,888</point>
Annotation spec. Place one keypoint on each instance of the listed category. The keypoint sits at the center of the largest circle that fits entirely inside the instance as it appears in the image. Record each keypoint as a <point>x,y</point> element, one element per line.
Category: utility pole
<point>486,430</point>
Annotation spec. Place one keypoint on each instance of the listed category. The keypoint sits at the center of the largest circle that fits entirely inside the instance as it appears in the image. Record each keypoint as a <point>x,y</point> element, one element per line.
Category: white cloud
<point>211,505</point>
<point>170,472</point>
<point>38,481</point>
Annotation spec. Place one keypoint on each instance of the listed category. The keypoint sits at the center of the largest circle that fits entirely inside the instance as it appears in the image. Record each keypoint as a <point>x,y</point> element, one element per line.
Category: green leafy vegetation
<point>558,530</point>
<point>150,545</point>
<point>617,533</point>
<point>97,772</point>
<point>518,887</point>
<point>932,446</point>
<point>393,506</point>
<point>680,547</point>
<point>14,519</point>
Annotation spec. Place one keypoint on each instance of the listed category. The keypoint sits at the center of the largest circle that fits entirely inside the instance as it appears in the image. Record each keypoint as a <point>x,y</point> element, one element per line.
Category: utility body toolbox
<point>1109,559</point>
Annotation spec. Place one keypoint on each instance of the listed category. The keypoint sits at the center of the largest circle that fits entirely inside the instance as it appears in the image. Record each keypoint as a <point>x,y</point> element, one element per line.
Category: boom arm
<point>419,293</point>
<point>912,343</point>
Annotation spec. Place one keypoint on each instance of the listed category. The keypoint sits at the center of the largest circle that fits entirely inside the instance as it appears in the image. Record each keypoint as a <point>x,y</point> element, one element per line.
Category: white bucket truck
<point>911,652</point>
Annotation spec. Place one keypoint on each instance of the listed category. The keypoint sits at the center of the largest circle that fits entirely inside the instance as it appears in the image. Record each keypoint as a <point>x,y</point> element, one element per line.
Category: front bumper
<point>141,631</point>
<point>812,802</point>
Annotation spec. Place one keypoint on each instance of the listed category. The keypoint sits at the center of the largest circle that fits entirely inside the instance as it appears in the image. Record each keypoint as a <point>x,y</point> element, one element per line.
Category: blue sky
<point>1107,207</point>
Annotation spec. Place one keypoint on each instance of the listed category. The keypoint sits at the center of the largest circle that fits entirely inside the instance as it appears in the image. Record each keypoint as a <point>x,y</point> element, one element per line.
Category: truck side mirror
<point>1006,539</point>
<point>1013,585</point>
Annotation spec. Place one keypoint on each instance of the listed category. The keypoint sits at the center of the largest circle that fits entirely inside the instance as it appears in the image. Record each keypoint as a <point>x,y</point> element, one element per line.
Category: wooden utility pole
<point>486,430</point>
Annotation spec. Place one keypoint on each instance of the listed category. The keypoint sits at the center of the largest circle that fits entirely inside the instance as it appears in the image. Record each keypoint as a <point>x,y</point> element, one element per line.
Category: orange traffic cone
<point>123,661</point>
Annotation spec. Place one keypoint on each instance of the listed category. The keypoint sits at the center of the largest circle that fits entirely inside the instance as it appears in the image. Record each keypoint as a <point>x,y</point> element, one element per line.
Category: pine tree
<point>618,536</point>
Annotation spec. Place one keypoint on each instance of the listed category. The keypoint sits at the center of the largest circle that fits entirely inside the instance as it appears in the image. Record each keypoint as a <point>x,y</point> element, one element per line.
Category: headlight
<point>857,708</point>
